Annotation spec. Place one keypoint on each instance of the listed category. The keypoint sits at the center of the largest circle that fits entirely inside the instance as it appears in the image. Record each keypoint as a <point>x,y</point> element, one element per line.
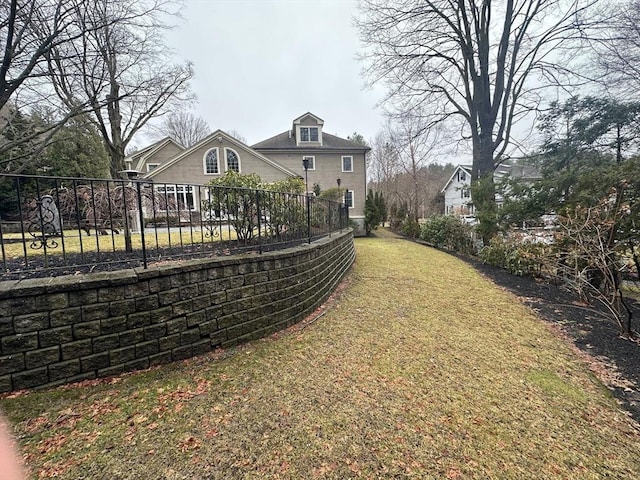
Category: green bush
<point>410,228</point>
<point>447,232</point>
<point>515,256</point>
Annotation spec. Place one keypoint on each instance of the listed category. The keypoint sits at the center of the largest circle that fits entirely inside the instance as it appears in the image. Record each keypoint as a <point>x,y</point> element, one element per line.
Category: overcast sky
<point>259,64</point>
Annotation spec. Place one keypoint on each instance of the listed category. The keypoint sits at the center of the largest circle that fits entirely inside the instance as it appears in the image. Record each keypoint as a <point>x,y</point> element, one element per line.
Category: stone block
<point>83,297</point>
<point>218,297</point>
<point>180,353</point>
<point>67,316</point>
<point>206,288</point>
<point>122,307</point>
<point>6,326</point>
<point>122,355</point>
<point>96,361</point>
<point>202,302</point>
<point>161,315</point>
<point>159,284</point>
<point>176,325</point>
<point>18,343</point>
<point>137,320</point>
<point>30,378</point>
<point>180,308</point>
<point>137,364</point>
<point>170,342</point>
<point>169,297</point>
<point>97,311</point>
<point>207,328</point>
<point>113,325</point>
<point>106,342</point>
<point>42,357</point>
<point>131,337</point>
<point>147,303</point>
<point>111,293</point>
<point>213,312</point>
<point>196,318</point>
<point>55,336</point>
<point>52,301</point>
<point>87,330</point>
<point>187,292</point>
<point>179,280</point>
<point>140,289</point>
<point>145,349</point>
<point>218,338</point>
<point>201,347</point>
<point>160,358</point>
<point>31,322</point>
<point>11,363</point>
<point>189,336</point>
<point>79,348</point>
<point>64,370</point>
<point>5,384</point>
<point>155,331</point>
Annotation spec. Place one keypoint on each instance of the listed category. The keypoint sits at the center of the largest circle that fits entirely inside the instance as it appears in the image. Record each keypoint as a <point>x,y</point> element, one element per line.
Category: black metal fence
<point>58,225</point>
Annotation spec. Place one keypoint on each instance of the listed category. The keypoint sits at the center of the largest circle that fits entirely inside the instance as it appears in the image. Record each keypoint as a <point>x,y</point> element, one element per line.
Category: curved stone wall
<point>65,329</point>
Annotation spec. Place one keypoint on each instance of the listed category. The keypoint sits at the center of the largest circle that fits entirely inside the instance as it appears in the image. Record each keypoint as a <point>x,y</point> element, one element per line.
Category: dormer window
<point>309,134</point>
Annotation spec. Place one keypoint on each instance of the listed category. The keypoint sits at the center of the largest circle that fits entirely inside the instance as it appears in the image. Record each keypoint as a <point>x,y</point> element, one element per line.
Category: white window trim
<point>226,163</point>
<point>309,127</point>
<point>347,156</point>
<point>154,165</point>
<point>204,161</point>
<point>314,161</point>
<point>353,198</point>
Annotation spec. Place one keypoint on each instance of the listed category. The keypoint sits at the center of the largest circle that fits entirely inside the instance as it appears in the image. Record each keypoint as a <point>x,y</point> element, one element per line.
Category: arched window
<point>233,160</point>
<point>211,166</point>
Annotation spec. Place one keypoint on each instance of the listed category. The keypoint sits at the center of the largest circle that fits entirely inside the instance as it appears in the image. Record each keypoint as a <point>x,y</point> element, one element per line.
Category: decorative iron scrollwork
<point>44,224</point>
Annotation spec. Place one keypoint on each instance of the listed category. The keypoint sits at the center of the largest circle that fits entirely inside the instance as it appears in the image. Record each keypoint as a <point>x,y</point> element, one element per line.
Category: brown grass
<point>419,368</point>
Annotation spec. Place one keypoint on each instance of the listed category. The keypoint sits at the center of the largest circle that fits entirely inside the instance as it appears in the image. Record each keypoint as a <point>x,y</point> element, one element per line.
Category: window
<point>465,193</point>
<point>347,164</point>
<point>462,176</point>
<point>312,162</point>
<point>348,198</point>
<point>211,166</point>
<point>176,196</point>
<point>233,160</point>
<point>308,134</point>
<point>152,166</point>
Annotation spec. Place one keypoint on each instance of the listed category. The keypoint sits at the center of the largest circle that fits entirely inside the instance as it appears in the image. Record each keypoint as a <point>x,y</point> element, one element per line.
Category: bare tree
<point>121,69</point>
<point>184,127</point>
<point>237,135</point>
<point>618,48</point>
<point>29,32</point>
<point>415,145</point>
<point>471,62</point>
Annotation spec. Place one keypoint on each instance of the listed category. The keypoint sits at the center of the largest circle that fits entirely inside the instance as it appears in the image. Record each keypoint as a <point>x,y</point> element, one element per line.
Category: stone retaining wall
<point>65,329</point>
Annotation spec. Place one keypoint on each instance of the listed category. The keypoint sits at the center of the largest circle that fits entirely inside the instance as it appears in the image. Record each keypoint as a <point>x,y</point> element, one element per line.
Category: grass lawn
<point>419,368</point>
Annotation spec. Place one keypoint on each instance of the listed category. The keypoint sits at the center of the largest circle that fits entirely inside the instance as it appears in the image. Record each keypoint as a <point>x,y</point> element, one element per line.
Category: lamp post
<point>305,164</point>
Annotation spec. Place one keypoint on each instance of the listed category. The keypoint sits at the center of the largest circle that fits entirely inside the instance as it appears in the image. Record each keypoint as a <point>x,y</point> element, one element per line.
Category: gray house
<point>329,158</point>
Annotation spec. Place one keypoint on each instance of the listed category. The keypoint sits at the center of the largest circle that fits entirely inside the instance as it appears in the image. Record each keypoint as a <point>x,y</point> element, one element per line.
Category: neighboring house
<point>457,190</point>
<point>274,159</point>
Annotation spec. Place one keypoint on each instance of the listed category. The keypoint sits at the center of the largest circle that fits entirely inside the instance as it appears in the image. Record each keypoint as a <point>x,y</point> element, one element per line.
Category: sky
<point>259,64</point>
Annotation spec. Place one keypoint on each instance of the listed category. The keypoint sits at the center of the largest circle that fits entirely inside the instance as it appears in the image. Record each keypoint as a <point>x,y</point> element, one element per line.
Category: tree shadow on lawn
<point>615,360</point>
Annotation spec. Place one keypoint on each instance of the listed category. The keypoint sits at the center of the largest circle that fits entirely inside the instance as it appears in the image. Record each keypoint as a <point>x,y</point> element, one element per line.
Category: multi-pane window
<point>179,197</point>
<point>466,193</point>
<point>211,166</point>
<point>348,198</point>
<point>233,161</point>
<point>308,134</point>
<point>312,162</point>
<point>347,163</point>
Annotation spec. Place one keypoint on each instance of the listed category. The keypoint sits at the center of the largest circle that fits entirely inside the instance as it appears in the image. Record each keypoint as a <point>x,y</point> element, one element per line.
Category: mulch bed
<point>615,360</point>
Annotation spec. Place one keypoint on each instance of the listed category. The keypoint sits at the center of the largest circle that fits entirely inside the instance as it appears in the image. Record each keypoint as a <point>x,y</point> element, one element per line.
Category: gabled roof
<point>287,141</point>
<point>141,156</point>
<point>464,168</point>
<point>317,119</point>
<point>215,136</point>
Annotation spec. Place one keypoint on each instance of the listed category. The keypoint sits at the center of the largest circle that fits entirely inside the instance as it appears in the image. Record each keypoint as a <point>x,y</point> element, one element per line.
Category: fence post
<point>309,217</point>
<point>141,220</point>
<point>259,224</point>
